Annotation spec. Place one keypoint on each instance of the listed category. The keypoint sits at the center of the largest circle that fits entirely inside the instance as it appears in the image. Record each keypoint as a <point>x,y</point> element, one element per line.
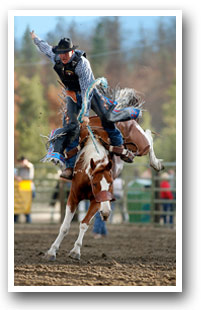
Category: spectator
<point>172,181</point>
<point>25,171</point>
<point>99,229</point>
<point>167,195</point>
<point>118,192</point>
<point>55,194</point>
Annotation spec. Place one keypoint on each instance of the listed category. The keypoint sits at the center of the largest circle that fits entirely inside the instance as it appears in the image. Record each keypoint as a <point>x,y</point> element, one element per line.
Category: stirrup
<point>124,154</point>
<point>128,157</point>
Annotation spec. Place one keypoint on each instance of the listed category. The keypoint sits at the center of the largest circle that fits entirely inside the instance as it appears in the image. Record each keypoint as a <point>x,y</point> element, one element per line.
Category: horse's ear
<point>92,164</point>
<point>109,165</point>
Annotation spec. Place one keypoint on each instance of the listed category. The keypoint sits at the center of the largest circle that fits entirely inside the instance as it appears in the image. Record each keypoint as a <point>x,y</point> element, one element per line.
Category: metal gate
<point>140,204</point>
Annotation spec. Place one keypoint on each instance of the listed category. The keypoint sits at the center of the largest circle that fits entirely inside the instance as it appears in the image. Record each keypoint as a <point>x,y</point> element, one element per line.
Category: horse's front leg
<point>64,229</point>
<point>94,207</point>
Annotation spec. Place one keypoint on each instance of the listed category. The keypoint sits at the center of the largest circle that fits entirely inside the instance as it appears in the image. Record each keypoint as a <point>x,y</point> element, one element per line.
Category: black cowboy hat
<point>65,45</point>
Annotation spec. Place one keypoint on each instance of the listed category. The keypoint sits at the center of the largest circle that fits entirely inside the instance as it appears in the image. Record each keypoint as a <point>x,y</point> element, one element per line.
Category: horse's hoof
<point>50,257</point>
<point>158,167</point>
<point>74,255</point>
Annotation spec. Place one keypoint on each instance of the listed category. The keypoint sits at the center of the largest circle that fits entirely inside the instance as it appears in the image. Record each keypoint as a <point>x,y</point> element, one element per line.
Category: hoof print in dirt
<point>40,253</point>
<point>74,255</point>
<point>104,256</point>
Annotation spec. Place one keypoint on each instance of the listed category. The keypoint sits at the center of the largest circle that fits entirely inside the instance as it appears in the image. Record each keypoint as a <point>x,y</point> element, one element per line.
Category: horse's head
<point>101,184</point>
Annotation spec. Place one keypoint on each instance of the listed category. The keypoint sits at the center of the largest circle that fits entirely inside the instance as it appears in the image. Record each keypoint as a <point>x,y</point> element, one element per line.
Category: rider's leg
<point>108,110</point>
<point>63,137</point>
<point>70,163</point>
<point>72,113</point>
<point>103,110</point>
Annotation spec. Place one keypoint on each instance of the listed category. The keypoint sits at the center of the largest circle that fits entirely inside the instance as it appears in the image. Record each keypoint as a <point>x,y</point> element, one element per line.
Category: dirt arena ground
<point>129,256</point>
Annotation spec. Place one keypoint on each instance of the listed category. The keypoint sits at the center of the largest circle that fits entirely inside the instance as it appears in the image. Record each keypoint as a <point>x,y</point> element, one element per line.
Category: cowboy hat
<point>65,45</point>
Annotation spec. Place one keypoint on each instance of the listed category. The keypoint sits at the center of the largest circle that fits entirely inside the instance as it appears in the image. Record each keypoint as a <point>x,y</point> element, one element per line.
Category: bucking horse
<point>94,172</point>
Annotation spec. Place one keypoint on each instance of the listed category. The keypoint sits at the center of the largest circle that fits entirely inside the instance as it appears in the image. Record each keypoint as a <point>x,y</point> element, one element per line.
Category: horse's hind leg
<point>153,160</point>
<point>64,229</point>
<point>75,252</point>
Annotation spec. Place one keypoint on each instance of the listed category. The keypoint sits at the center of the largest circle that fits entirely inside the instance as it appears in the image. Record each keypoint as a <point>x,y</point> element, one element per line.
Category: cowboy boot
<point>124,154</point>
<point>55,149</point>
<point>67,174</point>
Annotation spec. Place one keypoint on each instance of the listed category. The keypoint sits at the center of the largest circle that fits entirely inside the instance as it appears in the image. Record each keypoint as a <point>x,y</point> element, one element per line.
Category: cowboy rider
<point>75,73</point>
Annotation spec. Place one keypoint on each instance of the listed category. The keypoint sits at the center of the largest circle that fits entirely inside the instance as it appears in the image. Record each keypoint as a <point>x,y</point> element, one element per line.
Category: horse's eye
<point>95,184</point>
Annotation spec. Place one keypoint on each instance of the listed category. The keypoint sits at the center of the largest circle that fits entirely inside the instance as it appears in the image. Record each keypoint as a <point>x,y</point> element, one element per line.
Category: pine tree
<point>145,123</point>
<point>115,61</point>
<point>166,145</point>
<point>28,57</point>
<point>16,115</point>
<point>58,32</point>
<point>32,119</point>
<point>55,106</point>
<point>98,47</point>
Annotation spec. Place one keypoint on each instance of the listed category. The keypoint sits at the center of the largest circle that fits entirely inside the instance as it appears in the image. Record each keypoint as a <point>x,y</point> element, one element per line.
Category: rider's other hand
<point>33,35</point>
<point>85,121</point>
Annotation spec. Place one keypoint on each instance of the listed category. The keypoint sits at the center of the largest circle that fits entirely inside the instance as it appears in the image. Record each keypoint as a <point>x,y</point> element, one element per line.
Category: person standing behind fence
<point>99,228</point>
<point>166,194</point>
<point>172,181</point>
<point>25,171</point>
<point>118,191</point>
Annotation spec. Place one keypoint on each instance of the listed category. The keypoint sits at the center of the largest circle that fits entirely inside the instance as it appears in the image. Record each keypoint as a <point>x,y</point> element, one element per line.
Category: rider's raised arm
<point>43,46</point>
<point>86,77</point>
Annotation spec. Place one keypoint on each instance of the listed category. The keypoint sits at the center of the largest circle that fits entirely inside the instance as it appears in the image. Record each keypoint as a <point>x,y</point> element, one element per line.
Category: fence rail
<point>141,202</point>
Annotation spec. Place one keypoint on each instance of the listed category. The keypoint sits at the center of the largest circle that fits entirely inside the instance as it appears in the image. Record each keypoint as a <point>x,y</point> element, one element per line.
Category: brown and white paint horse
<point>92,180</point>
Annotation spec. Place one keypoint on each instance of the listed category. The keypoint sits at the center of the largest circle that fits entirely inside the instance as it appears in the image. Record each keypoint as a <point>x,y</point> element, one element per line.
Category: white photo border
<point>11,16</point>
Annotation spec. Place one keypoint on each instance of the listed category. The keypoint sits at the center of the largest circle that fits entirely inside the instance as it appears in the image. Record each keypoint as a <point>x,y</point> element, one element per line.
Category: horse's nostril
<point>104,216</point>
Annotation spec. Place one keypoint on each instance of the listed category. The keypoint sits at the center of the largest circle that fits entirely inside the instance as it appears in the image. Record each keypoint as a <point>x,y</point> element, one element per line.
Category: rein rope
<point>100,81</point>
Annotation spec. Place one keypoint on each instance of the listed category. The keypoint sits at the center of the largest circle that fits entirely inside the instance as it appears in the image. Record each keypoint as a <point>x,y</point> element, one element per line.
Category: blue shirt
<point>82,70</point>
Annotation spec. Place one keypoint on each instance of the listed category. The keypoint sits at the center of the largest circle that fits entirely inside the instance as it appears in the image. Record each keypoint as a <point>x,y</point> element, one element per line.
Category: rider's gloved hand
<point>85,120</point>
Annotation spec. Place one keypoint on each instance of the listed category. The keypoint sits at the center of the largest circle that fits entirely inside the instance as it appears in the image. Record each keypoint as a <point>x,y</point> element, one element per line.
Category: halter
<point>104,196</point>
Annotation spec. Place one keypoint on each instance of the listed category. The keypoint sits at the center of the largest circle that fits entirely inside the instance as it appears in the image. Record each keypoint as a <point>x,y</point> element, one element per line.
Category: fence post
<point>62,200</point>
<point>157,196</point>
<point>152,195</point>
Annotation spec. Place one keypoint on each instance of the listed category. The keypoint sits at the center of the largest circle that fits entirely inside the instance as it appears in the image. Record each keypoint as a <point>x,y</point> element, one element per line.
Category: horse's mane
<point>89,152</point>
